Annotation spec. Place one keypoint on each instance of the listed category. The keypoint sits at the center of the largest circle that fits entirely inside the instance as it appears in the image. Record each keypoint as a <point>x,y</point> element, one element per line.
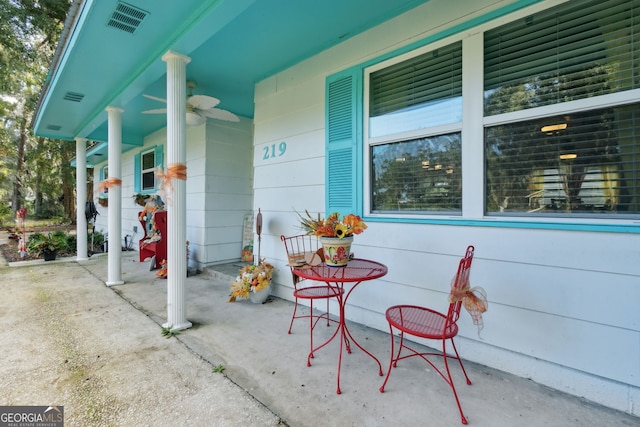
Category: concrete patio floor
<point>251,342</point>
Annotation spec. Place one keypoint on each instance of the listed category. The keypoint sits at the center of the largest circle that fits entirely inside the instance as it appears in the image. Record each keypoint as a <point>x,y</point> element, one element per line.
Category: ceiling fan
<point>199,107</point>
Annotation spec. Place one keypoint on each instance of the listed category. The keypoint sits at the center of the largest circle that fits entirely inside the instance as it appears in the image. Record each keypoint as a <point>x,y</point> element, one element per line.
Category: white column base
<point>82,259</point>
<point>114,283</point>
<point>180,327</point>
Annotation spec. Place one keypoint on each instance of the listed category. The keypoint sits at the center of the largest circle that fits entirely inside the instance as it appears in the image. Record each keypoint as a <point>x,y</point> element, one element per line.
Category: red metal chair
<point>300,249</point>
<point>427,323</point>
<point>157,248</point>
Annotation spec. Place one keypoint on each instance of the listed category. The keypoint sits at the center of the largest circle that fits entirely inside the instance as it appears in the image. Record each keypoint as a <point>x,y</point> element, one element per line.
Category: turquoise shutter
<point>159,158</point>
<point>159,155</point>
<point>341,192</point>
<point>137,173</point>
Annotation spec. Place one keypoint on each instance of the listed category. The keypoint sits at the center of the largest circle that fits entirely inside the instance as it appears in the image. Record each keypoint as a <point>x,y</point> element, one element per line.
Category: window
<point>145,164</point>
<point>544,109</point>
<point>104,174</point>
<point>148,167</point>
<point>583,160</point>
<point>414,122</point>
<point>581,163</point>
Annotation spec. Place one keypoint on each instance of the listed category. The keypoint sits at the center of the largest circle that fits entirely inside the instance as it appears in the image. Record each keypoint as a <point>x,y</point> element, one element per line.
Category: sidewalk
<point>258,355</point>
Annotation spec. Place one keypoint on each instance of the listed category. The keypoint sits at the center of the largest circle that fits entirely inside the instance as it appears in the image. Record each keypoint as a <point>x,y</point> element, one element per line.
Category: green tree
<point>29,31</point>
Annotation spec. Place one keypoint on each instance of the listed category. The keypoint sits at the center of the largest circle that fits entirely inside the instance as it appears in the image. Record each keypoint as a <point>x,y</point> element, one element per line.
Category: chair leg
<point>451,384</point>
<point>453,344</point>
<point>327,312</point>
<point>390,359</point>
<point>310,334</point>
<point>295,308</point>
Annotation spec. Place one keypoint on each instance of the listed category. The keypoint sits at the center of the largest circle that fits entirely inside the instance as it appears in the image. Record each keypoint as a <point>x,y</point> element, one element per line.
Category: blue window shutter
<point>159,155</point>
<point>137,173</point>
<point>159,158</point>
<point>341,164</point>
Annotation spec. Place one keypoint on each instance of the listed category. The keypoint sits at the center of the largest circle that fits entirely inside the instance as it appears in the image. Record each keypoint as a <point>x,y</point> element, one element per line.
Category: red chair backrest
<point>297,247</point>
<point>461,279</point>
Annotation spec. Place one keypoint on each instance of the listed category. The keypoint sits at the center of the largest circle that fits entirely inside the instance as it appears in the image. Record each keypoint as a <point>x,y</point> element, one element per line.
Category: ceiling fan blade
<point>217,113</point>
<point>156,111</point>
<point>202,102</point>
<point>155,98</point>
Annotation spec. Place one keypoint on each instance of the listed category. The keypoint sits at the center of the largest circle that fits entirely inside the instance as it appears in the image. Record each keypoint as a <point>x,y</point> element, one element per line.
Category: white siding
<point>562,307</point>
<point>219,190</point>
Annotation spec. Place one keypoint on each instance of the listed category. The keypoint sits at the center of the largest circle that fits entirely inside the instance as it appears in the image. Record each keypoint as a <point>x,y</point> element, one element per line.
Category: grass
<point>168,332</point>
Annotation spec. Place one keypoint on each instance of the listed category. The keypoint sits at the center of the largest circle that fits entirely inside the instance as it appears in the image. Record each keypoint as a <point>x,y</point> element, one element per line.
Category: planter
<point>336,251</point>
<point>49,255</point>
<point>261,296</point>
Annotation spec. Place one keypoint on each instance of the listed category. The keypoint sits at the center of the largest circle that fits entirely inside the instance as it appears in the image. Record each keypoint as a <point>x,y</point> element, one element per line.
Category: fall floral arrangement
<point>333,225</point>
<point>251,278</point>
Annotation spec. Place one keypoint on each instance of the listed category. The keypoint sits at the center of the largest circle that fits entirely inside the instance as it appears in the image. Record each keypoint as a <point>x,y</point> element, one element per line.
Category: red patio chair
<point>299,248</point>
<point>424,322</point>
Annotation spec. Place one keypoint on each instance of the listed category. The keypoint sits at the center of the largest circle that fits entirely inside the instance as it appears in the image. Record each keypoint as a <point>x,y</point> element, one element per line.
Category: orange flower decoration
<point>332,226</point>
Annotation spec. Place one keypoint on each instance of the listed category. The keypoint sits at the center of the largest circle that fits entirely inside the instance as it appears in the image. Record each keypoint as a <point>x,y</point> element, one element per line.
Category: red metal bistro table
<point>355,272</point>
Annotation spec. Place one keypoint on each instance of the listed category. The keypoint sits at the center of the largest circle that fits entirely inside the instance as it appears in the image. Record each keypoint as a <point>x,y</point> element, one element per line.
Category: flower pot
<point>336,251</point>
<point>49,255</point>
<point>261,296</point>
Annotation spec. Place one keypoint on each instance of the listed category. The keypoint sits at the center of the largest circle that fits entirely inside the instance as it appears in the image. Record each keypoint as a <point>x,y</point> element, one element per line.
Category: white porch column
<point>176,191</point>
<point>114,182</point>
<point>81,199</point>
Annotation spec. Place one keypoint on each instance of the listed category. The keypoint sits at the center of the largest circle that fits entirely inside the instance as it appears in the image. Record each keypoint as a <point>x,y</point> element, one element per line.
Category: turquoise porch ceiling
<point>233,44</point>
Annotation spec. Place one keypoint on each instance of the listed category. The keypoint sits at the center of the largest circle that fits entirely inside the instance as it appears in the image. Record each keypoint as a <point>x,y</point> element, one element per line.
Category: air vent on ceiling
<point>54,127</point>
<point>126,18</point>
<point>73,96</point>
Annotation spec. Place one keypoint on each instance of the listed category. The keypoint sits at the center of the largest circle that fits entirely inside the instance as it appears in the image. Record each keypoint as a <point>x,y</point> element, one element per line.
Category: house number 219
<point>270,151</point>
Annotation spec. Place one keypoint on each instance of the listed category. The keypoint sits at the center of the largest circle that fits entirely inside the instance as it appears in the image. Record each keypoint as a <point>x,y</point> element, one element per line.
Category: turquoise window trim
<point>357,72</point>
<point>487,222</point>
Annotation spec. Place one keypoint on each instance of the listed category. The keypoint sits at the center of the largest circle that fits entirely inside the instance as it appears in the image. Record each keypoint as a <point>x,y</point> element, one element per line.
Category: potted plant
<point>139,198</point>
<point>47,245</point>
<point>335,235</point>
<point>252,282</point>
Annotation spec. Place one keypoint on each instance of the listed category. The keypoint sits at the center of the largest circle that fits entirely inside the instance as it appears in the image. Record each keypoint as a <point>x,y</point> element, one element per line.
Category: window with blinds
<point>420,92</point>
<point>419,175</point>
<point>415,114</point>
<point>573,51</point>
<point>580,163</point>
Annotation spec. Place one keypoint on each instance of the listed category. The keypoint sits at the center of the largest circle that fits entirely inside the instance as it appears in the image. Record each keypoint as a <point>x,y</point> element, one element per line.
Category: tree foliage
<point>29,32</point>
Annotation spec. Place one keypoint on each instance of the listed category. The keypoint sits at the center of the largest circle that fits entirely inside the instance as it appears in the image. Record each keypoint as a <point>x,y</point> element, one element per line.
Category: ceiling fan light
<point>194,119</point>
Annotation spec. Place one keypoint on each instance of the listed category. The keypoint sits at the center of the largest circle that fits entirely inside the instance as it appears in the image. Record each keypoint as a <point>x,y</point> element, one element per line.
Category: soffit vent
<point>126,18</point>
<point>54,127</point>
<point>73,96</point>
